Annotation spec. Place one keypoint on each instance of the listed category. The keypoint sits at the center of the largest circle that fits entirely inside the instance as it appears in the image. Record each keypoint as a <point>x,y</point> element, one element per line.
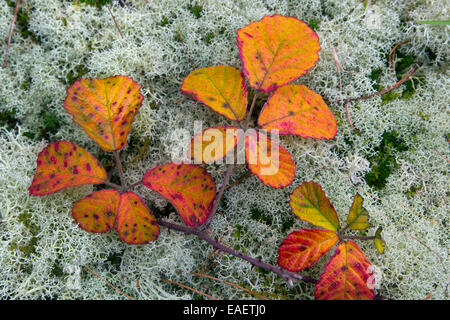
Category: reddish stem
<point>11,29</point>
<point>285,274</point>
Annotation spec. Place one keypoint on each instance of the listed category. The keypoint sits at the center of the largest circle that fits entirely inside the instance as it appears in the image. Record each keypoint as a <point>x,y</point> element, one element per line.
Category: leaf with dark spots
<point>97,212</point>
<point>178,185</point>
<point>59,168</point>
<point>105,108</point>
<point>135,223</point>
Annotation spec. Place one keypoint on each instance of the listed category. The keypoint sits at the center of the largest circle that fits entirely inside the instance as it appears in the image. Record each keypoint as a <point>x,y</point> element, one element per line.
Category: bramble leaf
<point>190,189</point>
<point>268,160</point>
<point>276,50</point>
<point>310,203</point>
<point>358,216</point>
<point>63,164</point>
<point>213,144</point>
<point>347,275</point>
<point>97,212</point>
<point>296,109</point>
<point>135,223</point>
<point>105,108</point>
<point>380,244</point>
<point>304,247</point>
<point>221,88</point>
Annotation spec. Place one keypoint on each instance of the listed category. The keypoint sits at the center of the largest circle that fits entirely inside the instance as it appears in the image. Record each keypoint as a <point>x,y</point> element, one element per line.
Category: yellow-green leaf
<point>221,88</point>
<point>276,50</point>
<point>380,244</point>
<point>358,216</point>
<point>310,203</point>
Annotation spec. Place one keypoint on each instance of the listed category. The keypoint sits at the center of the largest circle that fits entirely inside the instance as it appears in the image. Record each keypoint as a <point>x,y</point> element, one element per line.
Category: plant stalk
<point>285,274</point>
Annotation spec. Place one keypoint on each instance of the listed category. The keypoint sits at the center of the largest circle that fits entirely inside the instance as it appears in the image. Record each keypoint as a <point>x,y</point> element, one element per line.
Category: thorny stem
<point>285,274</point>
<point>119,167</point>
<point>230,168</point>
<point>11,29</point>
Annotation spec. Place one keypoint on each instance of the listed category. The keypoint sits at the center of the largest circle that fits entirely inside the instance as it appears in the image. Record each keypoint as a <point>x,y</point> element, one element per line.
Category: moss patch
<point>383,163</point>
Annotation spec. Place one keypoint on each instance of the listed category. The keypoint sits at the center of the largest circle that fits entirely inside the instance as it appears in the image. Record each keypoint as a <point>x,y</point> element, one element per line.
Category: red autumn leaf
<point>310,203</point>
<point>105,108</point>
<point>268,160</point>
<point>135,223</point>
<point>221,88</point>
<point>347,276</point>
<point>213,144</point>
<point>276,50</point>
<point>295,109</point>
<point>303,248</point>
<point>63,164</point>
<point>97,212</point>
<point>190,189</point>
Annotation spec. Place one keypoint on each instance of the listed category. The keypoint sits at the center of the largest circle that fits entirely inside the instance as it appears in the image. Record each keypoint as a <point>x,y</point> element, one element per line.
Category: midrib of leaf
<point>226,100</point>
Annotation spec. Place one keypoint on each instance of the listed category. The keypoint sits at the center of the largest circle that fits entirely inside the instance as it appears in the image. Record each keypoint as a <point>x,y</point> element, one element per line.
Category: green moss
<point>403,64</point>
<point>78,72</point>
<point>28,249</point>
<point>96,3</point>
<point>208,38</point>
<point>257,215</point>
<point>383,163</point>
<point>287,223</point>
<point>114,260</point>
<point>8,119</point>
<point>164,22</point>
<point>314,24</point>
<point>57,270</point>
<point>196,10</point>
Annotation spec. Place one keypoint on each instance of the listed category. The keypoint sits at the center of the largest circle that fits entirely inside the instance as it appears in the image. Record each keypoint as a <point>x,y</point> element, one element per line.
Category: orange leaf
<point>221,88</point>
<point>97,212</point>
<point>295,109</point>
<point>189,188</point>
<point>213,144</point>
<point>63,164</point>
<point>135,223</point>
<point>347,276</point>
<point>304,247</point>
<point>268,160</point>
<point>105,108</point>
<point>310,203</point>
<point>276,50</point>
